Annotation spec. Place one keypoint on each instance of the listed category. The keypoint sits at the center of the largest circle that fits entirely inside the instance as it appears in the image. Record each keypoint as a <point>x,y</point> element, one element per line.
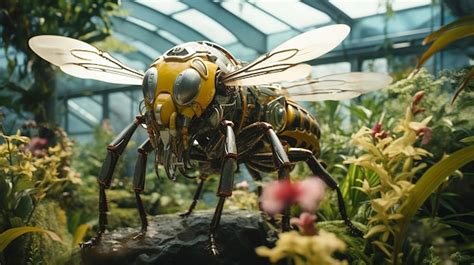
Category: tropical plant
<point>391,161</point>
<point>30,172</point>
<point>29,79</point>
<point>447,34</point>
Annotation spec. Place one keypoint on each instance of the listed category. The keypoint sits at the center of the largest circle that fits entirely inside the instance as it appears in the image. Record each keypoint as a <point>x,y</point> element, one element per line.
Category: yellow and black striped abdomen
<point>301,129</point>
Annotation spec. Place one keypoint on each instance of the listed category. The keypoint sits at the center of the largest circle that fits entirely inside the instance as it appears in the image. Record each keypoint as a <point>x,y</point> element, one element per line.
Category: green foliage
<point>454,31</point>
<point>424,187</point>
<point>442,224</point>
<point>30,80</point>
<point>31,172</point>
<point>11,234</point>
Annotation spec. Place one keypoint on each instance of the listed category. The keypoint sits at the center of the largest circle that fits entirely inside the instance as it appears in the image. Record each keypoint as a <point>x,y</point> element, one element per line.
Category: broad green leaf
<point>79,234</point>
<point>11,234</point>
<point>426,185</point>
<point>469,20</point>
<point>447,38</point>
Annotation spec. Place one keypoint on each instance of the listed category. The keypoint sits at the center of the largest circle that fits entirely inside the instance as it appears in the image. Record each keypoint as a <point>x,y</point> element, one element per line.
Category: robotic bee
<point>204,109</point>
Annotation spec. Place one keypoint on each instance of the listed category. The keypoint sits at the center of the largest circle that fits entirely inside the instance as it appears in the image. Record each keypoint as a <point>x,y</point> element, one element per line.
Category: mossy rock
<point>172,239</point>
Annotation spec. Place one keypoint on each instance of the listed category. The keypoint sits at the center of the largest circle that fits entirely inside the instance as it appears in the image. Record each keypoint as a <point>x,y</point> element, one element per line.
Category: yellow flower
<point>317,249</point>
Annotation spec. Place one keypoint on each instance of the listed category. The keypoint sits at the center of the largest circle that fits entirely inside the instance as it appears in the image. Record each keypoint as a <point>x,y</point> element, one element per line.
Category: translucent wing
<point>282,62</point>
<point>83,60</point>
<point>336,86</point>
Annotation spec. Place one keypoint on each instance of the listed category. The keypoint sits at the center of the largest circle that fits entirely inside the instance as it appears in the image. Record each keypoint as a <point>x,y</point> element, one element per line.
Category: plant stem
<point>35,203</point>
<point>434,211</point>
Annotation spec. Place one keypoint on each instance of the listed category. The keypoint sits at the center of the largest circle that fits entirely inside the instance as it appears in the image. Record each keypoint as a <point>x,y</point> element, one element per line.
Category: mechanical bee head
<point>180,85</point>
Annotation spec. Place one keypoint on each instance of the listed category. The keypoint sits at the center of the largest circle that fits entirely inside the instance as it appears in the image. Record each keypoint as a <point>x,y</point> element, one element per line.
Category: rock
<point>172,239</point>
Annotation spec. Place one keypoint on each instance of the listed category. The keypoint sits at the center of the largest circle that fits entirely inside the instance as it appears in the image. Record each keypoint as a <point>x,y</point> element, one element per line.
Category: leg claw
<point>212,246</point>
<point>139,235</point>
<point>92,242</point>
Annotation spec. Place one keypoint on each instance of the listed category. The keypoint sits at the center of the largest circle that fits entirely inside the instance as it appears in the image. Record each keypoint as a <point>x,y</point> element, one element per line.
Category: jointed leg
<point>114,150</point>
<point>301,154</point>
<point>319,170</point>
<point>226,182</point>
<point>197,195</point>
<point>282,163</point>
<point>139,183</point>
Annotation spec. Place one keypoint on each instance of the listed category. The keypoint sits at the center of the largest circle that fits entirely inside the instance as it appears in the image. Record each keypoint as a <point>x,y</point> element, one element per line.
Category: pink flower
<point>378,132</point>
<point>418,97</point>
<point>427,133</point>
<point>313,190</point>
<point>242,185</point>
<point>279,194</point>
<point>37,145</point>
<point>416,100</point>
<point>306,223</point>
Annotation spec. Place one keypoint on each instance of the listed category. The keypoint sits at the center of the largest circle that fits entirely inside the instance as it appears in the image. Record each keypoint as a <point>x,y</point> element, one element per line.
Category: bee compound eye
<point>186,86</point>
<point>149,84</point>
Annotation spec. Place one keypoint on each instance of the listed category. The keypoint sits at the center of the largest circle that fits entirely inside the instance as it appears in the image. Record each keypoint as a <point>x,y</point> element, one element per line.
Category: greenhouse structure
<point>237,132</point>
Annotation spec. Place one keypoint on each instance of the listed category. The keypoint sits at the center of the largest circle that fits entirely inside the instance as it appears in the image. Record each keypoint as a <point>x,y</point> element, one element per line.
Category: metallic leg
<point>197,195</point>
<point>282,163</point>
<point>226,182</point>
<point>139,183</point>
<point>319,170</point>
<point>114,150</point>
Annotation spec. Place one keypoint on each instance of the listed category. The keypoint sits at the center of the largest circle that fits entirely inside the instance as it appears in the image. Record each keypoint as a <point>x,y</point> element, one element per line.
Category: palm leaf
<point>426,185</point>
<point>469,20</point>
<point>445,39</point>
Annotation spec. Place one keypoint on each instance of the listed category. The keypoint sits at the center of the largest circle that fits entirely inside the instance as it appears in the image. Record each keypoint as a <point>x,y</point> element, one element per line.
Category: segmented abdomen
<point>301,129</point>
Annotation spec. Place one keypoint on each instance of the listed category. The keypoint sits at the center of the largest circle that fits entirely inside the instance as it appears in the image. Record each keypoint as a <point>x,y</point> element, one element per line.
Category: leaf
<point>464,83</point>
<point>458,215</point>
<point>349,191</point>
<point>468,139</point>
<point>79,234</point>
<point>11,234</point>
<point>447,38</point>
<point>426,185</point>
<point>461,224</point>
<point>469,20</point>
<point>24,207</point>
<point>468,246</point>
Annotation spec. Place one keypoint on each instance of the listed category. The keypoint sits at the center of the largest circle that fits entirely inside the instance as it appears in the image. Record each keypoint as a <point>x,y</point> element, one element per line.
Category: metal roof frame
<point>243,31</point>
<point>163,21</point>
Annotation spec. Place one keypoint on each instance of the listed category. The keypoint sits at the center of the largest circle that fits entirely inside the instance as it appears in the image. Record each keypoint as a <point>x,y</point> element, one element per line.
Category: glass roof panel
<point>257,18</point>
<point>357,9</point>
<point>140,46</point>
<point>169,36</point>
<point>86,108</point>
<point>167,7</point>
<point>206,26</point>
<point>141,23</point>
<point>307,16</point>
